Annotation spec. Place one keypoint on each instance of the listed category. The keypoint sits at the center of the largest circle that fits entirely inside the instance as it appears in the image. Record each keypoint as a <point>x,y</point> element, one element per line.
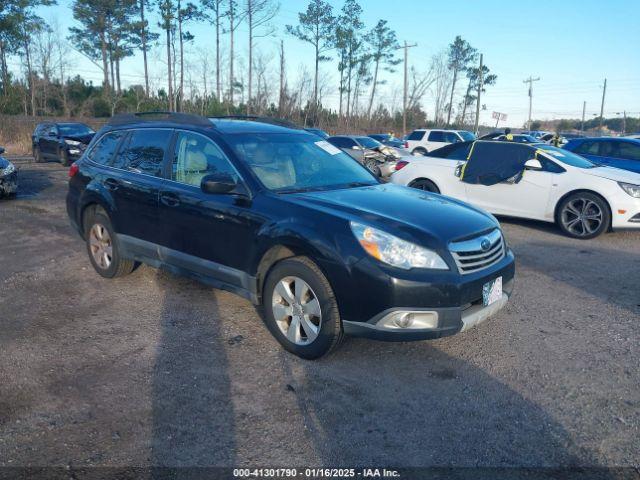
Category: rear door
<point>625,155</point>
<point>203,232</point>
<point>134,182</point>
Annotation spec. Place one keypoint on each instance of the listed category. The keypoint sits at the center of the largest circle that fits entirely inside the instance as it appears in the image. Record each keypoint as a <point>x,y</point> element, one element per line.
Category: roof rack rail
<point>174,117</point>
<point>257,118</point>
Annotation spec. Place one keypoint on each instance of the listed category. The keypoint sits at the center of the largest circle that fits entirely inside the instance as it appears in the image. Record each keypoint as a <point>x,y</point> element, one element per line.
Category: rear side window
<point>144,151</point>
<point>451,137</point>
<point>416,135</point>
<point>436,137</point>
<point>342,142</point>
<point>457,151</point>
<point>103,151</point>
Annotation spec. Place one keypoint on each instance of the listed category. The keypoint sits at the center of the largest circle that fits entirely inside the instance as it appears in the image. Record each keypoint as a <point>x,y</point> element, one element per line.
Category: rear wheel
<point>583,215</point>
<point>424,184</point>
<point>372,165</point>
<point>300,308</point>
<point>103,248</point>
<point>419,151</point>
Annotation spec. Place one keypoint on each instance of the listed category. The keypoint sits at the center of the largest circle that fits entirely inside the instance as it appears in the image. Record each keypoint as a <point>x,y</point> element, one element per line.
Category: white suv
<point>421,141</point>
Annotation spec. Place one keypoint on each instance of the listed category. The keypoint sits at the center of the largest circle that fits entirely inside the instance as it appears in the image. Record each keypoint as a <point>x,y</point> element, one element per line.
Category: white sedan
<point>583,198</point>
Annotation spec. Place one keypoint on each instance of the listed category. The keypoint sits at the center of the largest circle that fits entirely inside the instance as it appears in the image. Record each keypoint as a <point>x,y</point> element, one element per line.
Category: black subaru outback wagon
<point>285,219</point>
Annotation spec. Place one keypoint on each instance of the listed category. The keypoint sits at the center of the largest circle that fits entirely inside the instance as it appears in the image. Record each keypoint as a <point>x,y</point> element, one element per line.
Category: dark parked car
<point>292,224</point>
<point>388,139</point>
<point>8,176</point>
<point>63,141</point>
<point>318,132</point>
<point>616,152</point>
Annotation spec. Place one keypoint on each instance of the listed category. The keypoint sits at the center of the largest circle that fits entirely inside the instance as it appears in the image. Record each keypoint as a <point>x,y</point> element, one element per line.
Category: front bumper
<point>9,184</point>
<point>449,321</point>
<point>625,211</point>
<point>387,168</point>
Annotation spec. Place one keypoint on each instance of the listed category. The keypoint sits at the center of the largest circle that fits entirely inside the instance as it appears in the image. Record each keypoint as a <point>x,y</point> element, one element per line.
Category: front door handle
<point>112,183</point>
<point>169,199</point>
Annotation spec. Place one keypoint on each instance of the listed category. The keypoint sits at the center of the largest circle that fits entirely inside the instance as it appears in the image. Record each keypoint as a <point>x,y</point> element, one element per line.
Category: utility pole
<point>480,79</point>
<point>584,108</point>
<point>604,92</point>
<point>624,121</point>
<point>404,98</point>
<point>530,81</point>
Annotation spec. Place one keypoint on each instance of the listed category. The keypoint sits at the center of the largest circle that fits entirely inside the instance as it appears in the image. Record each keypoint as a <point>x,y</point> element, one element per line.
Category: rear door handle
<point>111,183</point>
<point>169,199</point>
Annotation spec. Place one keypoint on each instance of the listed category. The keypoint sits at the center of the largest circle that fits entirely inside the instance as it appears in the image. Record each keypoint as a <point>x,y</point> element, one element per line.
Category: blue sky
<point>571,45</point>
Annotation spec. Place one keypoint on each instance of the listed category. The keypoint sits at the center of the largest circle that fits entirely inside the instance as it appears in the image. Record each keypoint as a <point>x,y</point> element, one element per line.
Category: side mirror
<point>218,183</point>
<point>533,164</point>
<point>356,147</point>
<point>458,171</point>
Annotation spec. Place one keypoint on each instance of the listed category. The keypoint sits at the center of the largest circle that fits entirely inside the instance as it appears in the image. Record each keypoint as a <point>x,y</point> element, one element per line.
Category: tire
<point>424,184</point>
<point>37,155</point>
<point>116,266</point>
<point>583,215</point>
<point>419,151</point>
<point>64,157</point>
<point>301,338</point>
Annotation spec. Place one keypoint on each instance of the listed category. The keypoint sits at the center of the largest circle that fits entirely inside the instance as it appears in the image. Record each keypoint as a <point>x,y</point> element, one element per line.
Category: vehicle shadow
<point>32,181</point>
<point>546,227</point>
<point>193,416</point>
<point>412,405</point>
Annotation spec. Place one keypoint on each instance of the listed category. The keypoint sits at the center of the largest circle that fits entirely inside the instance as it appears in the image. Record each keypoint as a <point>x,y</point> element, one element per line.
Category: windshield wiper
<point>360,184</point>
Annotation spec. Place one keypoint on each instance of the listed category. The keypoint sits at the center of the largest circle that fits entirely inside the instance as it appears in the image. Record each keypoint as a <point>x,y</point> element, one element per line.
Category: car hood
<point>4,163</point>
<point>80,138</point>
<point>406,212</point>
<point>615,174</point>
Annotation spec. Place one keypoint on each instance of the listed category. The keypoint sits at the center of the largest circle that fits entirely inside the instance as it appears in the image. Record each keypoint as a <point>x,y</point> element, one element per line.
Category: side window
<point>629,151</point>
<point>451,137</point>
<point>587,148</point>
<point>436,137</point>
<point>196,156</point>
<point>342,142</point>
<point>102,152</point>
<point>144,151</point>
<point>416,135</point>
<point>549,166</point>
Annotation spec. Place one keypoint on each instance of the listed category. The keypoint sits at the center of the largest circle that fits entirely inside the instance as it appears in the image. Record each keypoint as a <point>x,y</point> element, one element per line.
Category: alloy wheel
<point>101,246</point>
<point>581,216</point>
<point>296,310</point>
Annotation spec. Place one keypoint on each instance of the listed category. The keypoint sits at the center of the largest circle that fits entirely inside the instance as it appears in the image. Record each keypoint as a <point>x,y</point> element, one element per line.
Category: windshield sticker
<point>553,152</point>
<point>327,147</point>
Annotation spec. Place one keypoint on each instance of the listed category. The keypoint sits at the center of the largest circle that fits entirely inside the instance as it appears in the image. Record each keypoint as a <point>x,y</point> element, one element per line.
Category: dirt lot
<point>154,369</point>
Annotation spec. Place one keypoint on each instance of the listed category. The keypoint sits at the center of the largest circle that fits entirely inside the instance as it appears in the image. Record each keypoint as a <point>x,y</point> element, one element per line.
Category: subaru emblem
<point>485,244</point>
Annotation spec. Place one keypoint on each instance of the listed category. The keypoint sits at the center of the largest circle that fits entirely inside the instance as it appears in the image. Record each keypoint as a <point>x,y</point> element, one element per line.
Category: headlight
<point>9,170</point>
<point>395,251</point>
<point>631,189</point>
<point>73,143</point>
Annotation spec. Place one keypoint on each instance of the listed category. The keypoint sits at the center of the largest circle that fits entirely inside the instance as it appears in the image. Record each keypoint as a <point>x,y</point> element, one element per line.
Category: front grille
<point>478,253</point>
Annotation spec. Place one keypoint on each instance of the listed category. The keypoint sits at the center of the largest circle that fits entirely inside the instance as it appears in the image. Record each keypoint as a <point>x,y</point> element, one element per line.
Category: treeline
<point>218,80</point>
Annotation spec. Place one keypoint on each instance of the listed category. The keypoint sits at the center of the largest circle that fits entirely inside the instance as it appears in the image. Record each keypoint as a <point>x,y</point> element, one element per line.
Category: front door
<point>210,234</point>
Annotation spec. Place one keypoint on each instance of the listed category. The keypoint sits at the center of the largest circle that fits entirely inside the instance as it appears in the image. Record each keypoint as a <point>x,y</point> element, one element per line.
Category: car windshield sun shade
<point>490,163</point>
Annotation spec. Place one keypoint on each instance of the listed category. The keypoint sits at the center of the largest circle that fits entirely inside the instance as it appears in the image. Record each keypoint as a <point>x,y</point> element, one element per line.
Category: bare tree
<point>214,13</point>
<point>441,84</point>
<point>235,18</point>
<point>258,13</point>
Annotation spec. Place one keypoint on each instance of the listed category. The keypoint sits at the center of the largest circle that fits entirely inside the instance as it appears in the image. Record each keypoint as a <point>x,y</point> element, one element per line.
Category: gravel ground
<point>154,369</point>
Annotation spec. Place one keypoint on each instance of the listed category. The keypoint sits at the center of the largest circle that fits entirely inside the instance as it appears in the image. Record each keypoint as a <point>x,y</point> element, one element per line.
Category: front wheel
<point>583,215</point>
<point>37,155</point>
<point>64,157</point>
<point>103,248</point>
<point>372,166</point>
<point>300,308</point>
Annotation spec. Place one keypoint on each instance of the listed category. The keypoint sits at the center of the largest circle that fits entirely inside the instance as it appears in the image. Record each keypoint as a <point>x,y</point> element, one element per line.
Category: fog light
<point>409,320</point>
<point>405,320</point>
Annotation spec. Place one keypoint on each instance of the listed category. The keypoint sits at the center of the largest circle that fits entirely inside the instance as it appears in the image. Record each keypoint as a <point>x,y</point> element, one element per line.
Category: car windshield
<point>567,157</point>
<point>287,163</point>
<point>368,142</point>
<point>466,136</point>
<point>74,129</point>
